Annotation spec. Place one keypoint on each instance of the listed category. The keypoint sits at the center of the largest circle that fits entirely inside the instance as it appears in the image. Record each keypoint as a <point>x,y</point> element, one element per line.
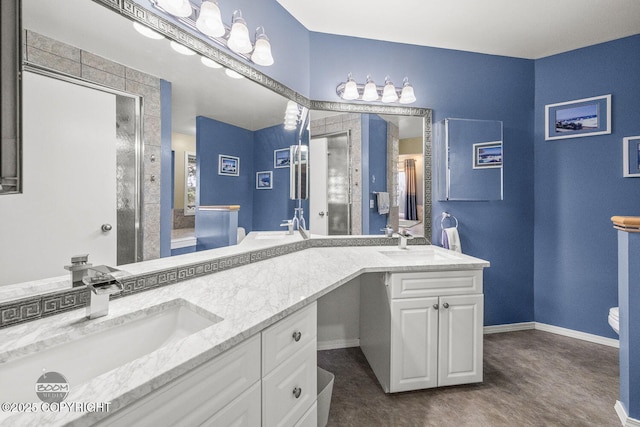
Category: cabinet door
<point>414,343</point>
<point>460,339</point>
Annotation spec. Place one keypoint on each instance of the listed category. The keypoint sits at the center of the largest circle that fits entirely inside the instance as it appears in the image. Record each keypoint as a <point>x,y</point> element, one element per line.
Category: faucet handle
<point>80,259</point>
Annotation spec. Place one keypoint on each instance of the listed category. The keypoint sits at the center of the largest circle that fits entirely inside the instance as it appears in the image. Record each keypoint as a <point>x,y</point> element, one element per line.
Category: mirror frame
<point>9,149</point>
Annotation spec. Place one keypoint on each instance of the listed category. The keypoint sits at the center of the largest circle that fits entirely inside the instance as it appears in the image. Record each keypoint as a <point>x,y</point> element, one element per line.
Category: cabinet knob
<point>445,305</point>
<point>435,306</point>
<point>297,335</point>
<point>297,392</point>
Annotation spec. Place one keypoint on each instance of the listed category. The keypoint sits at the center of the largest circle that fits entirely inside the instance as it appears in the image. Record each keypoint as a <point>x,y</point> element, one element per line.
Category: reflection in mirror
<point>469,159</point>
<point>359,182</point>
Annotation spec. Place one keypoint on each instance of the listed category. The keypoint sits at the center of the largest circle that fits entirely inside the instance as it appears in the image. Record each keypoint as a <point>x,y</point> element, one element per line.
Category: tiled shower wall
<point>53,55</point>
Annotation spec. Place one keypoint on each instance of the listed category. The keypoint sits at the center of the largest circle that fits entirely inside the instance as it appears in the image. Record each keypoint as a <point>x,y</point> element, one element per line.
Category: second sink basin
<point>95,353</point>
<point>416,254</point>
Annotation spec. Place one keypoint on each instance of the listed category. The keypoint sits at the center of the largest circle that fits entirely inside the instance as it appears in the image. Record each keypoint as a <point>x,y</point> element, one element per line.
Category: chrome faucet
<point>403,237</point>
<point>101,281</point>
<point>289,225</point>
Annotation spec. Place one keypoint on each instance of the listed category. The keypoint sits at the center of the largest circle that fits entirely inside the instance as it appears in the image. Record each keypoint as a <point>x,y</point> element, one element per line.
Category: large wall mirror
<point>212,114</point>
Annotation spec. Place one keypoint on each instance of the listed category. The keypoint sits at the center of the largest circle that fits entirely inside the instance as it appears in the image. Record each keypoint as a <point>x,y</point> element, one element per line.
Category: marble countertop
<point>247,298</point>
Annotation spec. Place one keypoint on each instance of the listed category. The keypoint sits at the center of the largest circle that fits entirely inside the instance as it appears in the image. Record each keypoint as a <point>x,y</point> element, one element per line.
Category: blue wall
<point>473,86</point>
<point>272,207</point>
<point>214,138</point>
<point>579,186</point>
<point>377,169</point>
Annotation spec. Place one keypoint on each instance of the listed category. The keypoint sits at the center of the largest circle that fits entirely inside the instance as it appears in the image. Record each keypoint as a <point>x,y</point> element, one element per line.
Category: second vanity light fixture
<point>209,22</point>
<point>352,91</point>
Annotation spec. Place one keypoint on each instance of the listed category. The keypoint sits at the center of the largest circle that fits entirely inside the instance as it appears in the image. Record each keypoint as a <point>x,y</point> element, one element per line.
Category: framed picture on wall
<point>631,157</point>
<point>281,158</point>
<point>582,117</point>
<point>264,180</point>
<point>228,165</point>
<point>487,155</point>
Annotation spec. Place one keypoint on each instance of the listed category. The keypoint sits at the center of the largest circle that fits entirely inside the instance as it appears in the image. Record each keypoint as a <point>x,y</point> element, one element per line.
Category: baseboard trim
<point>624,418</point>
<point>523,326</point>
<point>611,342</point>
<point>335,344</point>
<point>510,327</point>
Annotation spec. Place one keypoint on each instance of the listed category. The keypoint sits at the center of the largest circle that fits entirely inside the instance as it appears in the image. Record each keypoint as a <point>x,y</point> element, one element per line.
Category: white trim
<point>523,326</point>
<point>335,344</point>
<point>624,418</point>
<point>509,327</point>
<point>611,342</point>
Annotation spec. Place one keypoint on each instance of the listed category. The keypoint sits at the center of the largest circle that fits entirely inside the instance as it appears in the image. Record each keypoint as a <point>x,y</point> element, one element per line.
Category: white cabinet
<point>431,325</point>
<point>289,371</point>
<point>196,396</point>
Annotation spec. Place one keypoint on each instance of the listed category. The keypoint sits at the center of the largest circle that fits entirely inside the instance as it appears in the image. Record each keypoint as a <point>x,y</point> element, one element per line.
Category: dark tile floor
<point>531,378</point>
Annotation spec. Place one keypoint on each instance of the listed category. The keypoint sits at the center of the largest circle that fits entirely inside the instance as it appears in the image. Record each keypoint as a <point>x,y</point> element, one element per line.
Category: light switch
<point>371,204</point>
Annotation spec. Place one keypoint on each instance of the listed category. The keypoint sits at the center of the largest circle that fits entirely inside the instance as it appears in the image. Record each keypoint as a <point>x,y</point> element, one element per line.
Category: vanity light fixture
<point>352,91</point>
<point>209,23</point>
<point>291,116</point>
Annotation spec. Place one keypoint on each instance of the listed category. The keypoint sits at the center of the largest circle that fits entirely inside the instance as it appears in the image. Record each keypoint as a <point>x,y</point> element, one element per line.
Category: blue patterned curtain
<point>411,208</point>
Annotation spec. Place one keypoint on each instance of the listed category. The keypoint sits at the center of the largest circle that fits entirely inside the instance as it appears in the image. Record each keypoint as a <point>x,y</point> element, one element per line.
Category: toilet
<point>614,319</point>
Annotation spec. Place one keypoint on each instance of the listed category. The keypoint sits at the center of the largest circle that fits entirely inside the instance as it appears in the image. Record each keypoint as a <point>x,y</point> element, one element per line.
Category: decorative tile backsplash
<point>36,307</point>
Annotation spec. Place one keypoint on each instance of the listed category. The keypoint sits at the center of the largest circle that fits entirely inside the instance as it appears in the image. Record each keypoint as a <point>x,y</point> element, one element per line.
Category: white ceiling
<point>519,28</point>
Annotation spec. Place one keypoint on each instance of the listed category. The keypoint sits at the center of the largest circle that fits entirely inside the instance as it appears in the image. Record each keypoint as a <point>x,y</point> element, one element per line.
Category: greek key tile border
<point>32,308</point>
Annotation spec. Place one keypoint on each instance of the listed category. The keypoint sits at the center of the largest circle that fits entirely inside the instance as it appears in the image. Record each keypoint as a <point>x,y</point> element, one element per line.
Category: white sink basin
<point>97,352</point>
<point>416,254</point>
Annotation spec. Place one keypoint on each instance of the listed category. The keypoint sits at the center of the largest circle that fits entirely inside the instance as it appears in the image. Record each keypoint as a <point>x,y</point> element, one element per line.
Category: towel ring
<point>446,215</point>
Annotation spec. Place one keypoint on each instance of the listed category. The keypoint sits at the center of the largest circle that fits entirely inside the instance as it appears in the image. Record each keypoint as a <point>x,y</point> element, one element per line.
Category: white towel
<point>383,203</point>
<point>454,239</point>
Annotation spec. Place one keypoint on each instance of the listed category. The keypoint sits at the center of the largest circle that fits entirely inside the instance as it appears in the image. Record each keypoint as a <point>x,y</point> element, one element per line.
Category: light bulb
<point>370,91</point>
<point>350,89</point>
<point>407,96</point>
<point>389,92</point>
<point>262,51</point>
<point>239,41</point>
<point>209,21</point>
<point>179,8</point>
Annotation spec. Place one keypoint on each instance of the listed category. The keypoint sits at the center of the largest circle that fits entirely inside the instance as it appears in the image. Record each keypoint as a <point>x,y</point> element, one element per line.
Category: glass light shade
<point>179,8</point>
<point>209,62</point>
<point>407,96</point>
<point>181,49</point>
<point>291,116</point>
<point>262,52</point>
<point>350,90</point>
<point>389,92</point>
<point>147,32</point>
<point>370,91</point>
<point>209,21</point>
<point>233,74</point>
<point>239,41</point>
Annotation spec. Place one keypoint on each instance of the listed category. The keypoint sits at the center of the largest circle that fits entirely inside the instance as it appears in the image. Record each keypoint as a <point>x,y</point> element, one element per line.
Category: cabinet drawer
<point>280,406</point>
<point>244,411</point>
<point>310,419</point>
<point>435,283</point>
<point>197,395</point>
<point>279,340</point>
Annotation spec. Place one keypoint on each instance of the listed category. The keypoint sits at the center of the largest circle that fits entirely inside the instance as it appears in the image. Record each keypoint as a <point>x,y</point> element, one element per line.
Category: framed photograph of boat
<point>582,117</point>
<point>631,157</point>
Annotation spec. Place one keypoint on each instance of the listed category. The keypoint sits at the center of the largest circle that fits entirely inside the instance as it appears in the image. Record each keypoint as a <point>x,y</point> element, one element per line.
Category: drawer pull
<point>445,305</point>
<point>435,306</point>
<point>297,335</point>
<point>297,392</point>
